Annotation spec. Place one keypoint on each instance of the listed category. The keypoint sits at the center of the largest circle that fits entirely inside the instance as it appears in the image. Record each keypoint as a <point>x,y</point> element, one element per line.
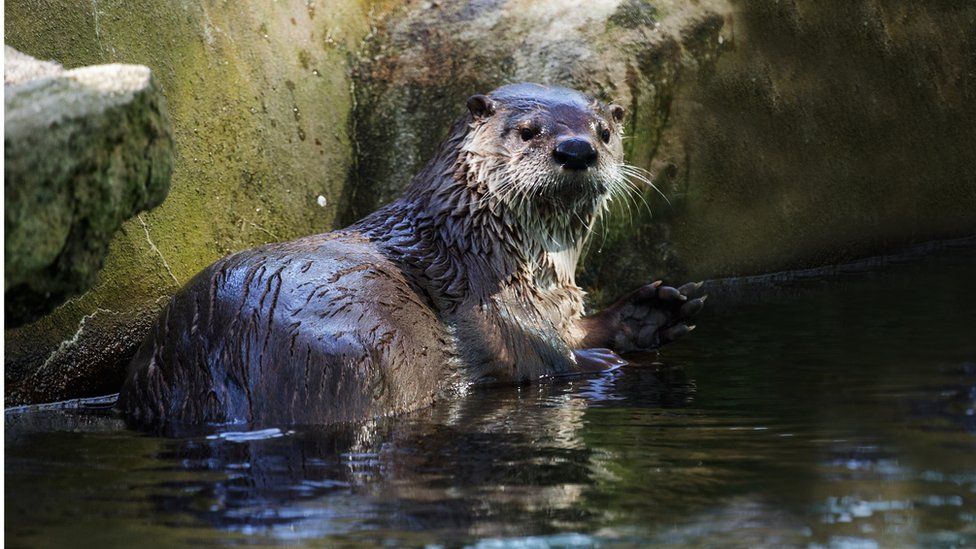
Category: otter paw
<point>654,315</point>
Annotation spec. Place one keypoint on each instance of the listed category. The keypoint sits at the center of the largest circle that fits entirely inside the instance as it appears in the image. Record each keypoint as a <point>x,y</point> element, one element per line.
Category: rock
<point>258,95</point>
<point>19,68</point>
<point>825,132</point>
<point>84,150</point>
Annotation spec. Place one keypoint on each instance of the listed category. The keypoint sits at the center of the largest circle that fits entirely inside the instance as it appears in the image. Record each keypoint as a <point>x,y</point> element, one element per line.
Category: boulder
<point>84,150</point>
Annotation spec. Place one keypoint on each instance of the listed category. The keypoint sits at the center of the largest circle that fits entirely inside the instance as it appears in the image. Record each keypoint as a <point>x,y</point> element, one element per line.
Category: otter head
<point>542,147</point>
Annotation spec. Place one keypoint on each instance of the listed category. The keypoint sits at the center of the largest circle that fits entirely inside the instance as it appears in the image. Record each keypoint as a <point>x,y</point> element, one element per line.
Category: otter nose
<point>575,153</point>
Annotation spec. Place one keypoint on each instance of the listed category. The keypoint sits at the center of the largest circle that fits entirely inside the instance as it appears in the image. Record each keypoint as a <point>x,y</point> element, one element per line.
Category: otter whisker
<point>505,190</point>
<point>631,190</point>
<point>644,176</point>
<point>619,190</point>
<point>595,217</point>
<point>599,216</point>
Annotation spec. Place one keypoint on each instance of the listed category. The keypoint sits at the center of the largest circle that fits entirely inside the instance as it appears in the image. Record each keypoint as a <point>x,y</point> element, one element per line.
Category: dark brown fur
<point>467,278</point>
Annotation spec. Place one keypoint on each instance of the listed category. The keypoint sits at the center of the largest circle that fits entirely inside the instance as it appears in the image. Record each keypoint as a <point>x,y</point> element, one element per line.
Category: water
<point>837,412</point>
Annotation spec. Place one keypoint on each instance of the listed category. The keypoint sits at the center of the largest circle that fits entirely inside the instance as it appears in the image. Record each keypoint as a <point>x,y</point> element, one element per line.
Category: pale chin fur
<point>557,211</point>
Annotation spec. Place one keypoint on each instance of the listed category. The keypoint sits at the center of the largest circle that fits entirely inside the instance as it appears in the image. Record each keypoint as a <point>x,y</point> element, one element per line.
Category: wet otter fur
<point>466,278</point>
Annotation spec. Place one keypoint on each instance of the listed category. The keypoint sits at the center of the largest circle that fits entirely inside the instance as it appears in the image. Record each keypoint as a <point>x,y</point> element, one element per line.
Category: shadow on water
<point>837,411</point>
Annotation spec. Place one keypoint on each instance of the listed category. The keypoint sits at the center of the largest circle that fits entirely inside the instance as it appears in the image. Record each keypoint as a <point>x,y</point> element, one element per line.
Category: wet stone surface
<point>814,413</point>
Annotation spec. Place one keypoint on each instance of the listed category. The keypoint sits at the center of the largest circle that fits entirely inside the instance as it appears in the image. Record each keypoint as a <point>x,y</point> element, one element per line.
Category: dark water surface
<point>837,412</point>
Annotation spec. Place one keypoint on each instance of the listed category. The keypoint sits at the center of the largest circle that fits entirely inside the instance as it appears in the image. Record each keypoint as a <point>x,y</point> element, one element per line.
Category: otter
<point>467,278</point>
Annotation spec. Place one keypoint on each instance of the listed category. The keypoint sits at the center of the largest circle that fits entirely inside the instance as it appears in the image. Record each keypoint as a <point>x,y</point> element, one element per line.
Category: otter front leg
<point>645,319</point>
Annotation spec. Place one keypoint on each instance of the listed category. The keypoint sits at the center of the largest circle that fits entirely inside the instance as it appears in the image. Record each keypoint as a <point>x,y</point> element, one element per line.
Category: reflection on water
<point>828,412</point>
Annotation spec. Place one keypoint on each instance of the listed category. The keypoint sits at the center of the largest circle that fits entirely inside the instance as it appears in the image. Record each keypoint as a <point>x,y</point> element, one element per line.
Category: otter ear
<point>481,106</point>
<point>617,112</point>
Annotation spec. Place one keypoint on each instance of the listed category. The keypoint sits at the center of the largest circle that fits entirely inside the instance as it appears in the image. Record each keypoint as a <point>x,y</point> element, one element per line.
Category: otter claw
<point>676,332</point>
<point>653,315</point>
<point>668,293</point>
<point>692,307</point>
<point>648,291</point>
<point>690,287</point>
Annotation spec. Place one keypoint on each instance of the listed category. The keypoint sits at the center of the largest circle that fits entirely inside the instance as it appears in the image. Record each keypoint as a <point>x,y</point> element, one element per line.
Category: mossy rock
<point>830,131</point>
<point>84,150</point>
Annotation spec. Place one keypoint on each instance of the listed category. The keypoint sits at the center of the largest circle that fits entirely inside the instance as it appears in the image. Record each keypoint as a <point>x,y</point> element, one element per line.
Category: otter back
<point>316,330</point>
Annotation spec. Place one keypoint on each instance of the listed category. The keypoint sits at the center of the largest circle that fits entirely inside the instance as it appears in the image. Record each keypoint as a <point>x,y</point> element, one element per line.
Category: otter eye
<point>605,135</point>
<point>527,133</point>
<point>617,112</point>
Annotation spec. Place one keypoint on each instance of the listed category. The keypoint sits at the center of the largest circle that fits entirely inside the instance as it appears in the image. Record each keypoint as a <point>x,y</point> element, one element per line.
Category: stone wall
<point>827,131</point>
